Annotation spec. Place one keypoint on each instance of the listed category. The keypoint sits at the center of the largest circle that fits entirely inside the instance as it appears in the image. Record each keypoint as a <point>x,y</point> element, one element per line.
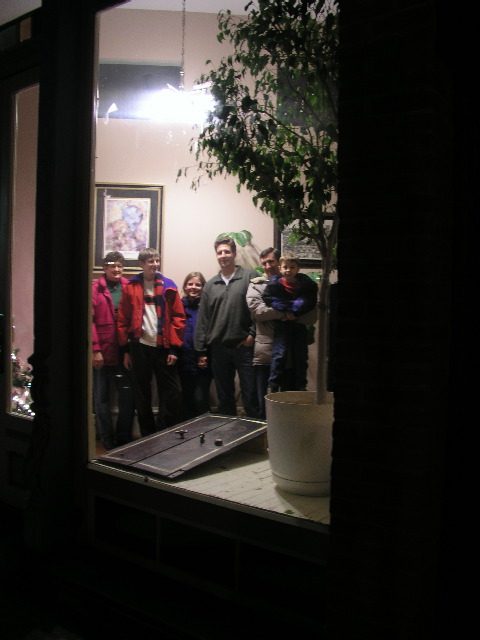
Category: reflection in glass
<point>23,247</point>
<point>147,118</point>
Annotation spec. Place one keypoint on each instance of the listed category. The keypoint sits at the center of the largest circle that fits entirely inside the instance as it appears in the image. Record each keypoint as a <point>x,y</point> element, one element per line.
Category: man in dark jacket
<point>225,331</point>
<point>107,367</point>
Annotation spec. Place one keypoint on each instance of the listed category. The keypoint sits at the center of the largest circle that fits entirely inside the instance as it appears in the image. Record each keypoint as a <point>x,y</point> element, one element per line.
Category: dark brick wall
<point>405,300</point>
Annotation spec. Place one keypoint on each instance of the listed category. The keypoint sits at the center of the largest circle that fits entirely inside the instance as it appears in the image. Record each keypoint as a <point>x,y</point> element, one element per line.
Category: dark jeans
<point>148,362</point>
<point>226,361</point>
<point>196,393</point>
<point>262,373</point>
<point>102,379</point>
<point>290,343</point>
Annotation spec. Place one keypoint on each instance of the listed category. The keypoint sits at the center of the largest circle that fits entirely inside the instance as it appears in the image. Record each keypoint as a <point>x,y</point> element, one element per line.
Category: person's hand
<point>248,342</point>
<point>202,362</point>
<point>127,361</point>
<point>171,359</point>
<point>97,360</point>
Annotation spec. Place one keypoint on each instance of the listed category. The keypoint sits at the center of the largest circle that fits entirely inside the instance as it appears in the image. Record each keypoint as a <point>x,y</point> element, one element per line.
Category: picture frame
<point>308,254</point>
<point>128,218</point>
<point>124,88</point>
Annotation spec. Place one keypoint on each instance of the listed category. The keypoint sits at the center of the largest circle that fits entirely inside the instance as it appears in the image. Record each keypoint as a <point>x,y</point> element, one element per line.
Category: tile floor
<point>243,478</point>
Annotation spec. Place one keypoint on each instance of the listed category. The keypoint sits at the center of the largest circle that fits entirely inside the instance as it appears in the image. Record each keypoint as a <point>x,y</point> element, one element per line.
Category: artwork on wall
<point>125,90</point>
<point>308,253</point>
<point>128,218</point>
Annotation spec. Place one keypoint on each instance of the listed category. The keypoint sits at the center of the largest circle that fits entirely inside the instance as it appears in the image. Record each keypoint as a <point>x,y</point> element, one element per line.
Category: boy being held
<point>296,294</point>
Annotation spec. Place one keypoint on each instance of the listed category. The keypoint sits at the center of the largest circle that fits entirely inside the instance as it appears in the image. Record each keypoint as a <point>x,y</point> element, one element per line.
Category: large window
<point>149,108</point>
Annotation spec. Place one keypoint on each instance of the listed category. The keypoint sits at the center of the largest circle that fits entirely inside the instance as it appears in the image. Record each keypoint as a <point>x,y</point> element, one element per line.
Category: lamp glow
<point>172,105</point>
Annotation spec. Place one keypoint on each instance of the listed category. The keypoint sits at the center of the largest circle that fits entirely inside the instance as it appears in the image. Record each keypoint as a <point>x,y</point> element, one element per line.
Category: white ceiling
<point>201,6</point>
<point>11,9</point>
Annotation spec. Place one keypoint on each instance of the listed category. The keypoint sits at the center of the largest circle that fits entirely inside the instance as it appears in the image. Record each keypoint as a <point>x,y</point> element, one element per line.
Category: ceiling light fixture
<point>178,105</point>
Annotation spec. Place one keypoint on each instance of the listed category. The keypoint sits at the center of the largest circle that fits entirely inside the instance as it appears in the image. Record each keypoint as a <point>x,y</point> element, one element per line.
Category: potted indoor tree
<point>274,127</point>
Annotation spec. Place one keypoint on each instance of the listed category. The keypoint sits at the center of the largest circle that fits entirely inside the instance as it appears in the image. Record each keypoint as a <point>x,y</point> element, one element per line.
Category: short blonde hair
<point>145,254</point>
<point>289,257</point>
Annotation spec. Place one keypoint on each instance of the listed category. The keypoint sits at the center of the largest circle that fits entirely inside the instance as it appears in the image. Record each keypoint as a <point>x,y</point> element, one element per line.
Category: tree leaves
<point>274,124</point>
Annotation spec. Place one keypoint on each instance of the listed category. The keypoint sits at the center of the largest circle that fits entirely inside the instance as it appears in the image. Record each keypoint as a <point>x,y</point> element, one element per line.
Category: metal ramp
<point>173,451</point>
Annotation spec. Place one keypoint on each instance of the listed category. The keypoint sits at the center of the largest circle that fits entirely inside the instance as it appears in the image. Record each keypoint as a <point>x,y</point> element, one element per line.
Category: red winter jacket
<point>104,325</point>
<point>169,307</point>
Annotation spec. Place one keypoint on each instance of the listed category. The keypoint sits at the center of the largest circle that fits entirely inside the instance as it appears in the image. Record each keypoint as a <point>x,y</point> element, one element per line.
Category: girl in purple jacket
<point>194,380</point>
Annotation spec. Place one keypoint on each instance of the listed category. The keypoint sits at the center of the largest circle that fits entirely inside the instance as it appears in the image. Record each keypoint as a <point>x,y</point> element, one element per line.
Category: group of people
<point>238,323</point>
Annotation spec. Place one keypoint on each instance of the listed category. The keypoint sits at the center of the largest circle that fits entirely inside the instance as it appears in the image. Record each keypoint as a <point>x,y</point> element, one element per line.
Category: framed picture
<point>128,218</point>
<point>124,90</point>
<point>308,253</point>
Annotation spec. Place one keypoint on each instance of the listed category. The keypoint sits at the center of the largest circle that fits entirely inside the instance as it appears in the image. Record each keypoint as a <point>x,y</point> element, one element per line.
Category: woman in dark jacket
<point>194,380</point>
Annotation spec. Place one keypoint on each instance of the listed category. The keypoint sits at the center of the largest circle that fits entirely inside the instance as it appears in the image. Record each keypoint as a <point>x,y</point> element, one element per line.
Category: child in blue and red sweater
<point>294,293</point>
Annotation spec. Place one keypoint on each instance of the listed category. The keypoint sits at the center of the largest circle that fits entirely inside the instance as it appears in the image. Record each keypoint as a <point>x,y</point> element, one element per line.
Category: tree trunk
<point>322,333</point>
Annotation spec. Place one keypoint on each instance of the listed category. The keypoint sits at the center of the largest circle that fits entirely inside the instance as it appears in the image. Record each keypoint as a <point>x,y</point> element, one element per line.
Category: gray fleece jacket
<point>223,317</point>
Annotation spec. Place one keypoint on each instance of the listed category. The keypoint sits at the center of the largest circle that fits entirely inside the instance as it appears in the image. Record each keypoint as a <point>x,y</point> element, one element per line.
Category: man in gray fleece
<point>225,331</point>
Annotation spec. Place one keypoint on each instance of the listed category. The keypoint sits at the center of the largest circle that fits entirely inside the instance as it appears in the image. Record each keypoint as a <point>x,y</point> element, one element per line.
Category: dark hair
<point>267,252</point>
<point>194,274</point>
<point>114,256</point>
<point>145,254</point>
<point>225,240</point>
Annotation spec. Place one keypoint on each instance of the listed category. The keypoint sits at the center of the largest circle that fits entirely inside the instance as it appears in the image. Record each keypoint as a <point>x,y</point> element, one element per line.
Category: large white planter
<point>299,434</point>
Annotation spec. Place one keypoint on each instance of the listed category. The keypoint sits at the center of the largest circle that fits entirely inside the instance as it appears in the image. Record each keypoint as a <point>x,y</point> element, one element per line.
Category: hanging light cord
<point>182,67</point>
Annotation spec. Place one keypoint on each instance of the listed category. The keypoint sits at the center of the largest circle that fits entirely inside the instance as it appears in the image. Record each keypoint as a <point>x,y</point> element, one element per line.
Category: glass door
<point>18,177</point>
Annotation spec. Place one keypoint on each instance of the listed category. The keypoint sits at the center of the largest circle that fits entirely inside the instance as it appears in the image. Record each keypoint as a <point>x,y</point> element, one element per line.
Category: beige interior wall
<point>147,152</point>
<point>23,221</point>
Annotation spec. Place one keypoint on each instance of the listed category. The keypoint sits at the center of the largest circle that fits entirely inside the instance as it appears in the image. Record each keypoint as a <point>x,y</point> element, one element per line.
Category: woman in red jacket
<point>107,367</point>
